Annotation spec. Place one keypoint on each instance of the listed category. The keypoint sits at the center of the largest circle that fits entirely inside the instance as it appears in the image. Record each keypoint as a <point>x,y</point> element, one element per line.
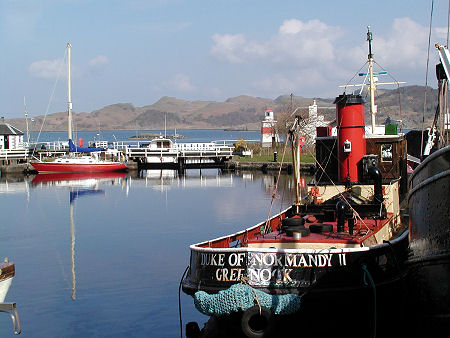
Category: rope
<point>341,195</point>
<point>368,276</point>
<point>398,90</point>
<point>179,302</point>
<point>267,227</point>
<point>426,80</point>
<point>357,73</point>
<point>49,101</point>
<point>244,280</point>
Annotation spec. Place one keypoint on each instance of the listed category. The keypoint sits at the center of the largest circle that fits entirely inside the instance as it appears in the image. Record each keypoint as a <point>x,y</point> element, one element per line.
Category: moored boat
<point>341,247</point>
<point>78,164</point>
<point>7,272</point>
<point>429,222</point>
<point>77,161</point>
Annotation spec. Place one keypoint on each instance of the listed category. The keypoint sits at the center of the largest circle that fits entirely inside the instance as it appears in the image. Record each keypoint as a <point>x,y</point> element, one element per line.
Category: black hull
<point>319,274</point>
<point>360,313</point>
<point>429,262</point>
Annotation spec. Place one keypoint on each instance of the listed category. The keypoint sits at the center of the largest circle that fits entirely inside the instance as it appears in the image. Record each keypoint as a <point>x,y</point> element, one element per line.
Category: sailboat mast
<point>26,121</point>
<point>373,107</point>
<point>69,96</point>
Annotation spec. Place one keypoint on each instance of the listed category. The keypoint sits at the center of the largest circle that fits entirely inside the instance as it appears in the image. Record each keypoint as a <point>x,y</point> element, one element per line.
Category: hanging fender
<point>257,322</point>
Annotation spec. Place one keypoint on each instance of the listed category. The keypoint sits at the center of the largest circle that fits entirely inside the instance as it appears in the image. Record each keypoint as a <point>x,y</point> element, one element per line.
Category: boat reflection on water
<point>79,185</point>
<point>167,178</point>
<point>78,179</point>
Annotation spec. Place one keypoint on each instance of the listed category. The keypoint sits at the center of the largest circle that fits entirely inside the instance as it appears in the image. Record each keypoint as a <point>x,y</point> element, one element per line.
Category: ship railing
<point>230,143</point>
<point>11,310</point>
<point>54,145</point>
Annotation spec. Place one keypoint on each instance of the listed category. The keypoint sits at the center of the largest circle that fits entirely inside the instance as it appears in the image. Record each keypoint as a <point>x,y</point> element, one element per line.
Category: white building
<point>269,134</point>
<point>10,137</point>
<point>313,121</point>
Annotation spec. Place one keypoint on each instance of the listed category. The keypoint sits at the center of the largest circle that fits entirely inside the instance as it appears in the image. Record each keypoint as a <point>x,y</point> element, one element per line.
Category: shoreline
<point>27,169</point>
<point>268,166</point>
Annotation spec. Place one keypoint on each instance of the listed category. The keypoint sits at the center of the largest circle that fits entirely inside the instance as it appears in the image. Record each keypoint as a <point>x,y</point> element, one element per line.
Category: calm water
<point>103,257</point>
<point>192,135</point>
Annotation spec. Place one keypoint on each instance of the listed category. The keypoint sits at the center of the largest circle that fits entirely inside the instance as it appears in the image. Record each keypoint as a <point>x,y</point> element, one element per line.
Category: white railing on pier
<point>9,154</point>
<point>145,143</point>
<point>54,145</point>
<point>210,149</point>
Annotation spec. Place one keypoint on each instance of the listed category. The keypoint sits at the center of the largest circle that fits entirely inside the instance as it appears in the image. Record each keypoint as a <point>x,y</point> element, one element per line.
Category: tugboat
<point>429,220</point>
<point>341,248</point>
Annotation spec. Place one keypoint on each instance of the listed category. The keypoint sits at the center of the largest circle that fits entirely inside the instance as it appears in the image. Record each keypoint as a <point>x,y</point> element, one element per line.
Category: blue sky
<point>138,51</point>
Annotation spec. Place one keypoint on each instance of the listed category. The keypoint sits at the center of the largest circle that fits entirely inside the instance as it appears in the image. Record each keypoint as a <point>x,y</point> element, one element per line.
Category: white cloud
<point>405,46</point>
<point>180,82</point>
<point>312,56</point>
<point>47,69</point>
<point>228,47</point>
<point>296,41</point>
<point>98,61</point>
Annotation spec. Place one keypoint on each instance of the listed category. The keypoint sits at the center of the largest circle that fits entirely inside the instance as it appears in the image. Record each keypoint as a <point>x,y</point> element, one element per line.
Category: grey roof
<point>7,129</point>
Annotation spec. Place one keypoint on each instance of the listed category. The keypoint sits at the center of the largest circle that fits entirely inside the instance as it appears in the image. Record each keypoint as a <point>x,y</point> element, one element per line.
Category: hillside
<point>238,112</point>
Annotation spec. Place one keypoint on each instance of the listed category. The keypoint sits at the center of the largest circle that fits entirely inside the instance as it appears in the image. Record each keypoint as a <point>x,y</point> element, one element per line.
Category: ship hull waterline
<point>317,271</point>
<point>43,167</point>
<point>429,259</point>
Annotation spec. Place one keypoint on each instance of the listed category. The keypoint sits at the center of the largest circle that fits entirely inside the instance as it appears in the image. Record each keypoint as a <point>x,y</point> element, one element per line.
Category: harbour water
<point>103,256</point>
<point>191,135</point>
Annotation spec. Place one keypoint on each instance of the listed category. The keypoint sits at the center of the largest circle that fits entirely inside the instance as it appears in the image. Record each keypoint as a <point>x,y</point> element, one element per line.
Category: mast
<point>373,107</point>
<point>293,133</point>
<point>69,96</point>
<point>373,81</point>
<point>26,121</point>
<point>72,250</point>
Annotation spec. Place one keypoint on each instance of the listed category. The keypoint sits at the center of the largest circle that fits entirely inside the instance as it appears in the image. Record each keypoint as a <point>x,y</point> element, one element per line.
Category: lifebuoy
<point>257,322</point>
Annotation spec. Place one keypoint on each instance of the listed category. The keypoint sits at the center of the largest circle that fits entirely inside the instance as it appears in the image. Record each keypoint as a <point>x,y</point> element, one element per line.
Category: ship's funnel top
<point>347,99</point>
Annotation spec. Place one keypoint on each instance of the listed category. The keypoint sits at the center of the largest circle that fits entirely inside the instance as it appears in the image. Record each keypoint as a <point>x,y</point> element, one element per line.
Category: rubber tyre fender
<point>318,228</point>
<point>256,325</point>
<point>292,221</point>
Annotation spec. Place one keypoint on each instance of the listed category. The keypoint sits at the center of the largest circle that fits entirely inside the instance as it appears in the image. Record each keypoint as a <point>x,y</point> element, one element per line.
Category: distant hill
<point>238,112</point>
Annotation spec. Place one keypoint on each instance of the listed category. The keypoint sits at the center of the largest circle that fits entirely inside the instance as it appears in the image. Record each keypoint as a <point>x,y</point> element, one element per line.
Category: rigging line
<point>329,158</point>
<point>426,80</point>
<point>340,193</point>
<point>398,88</point>
<point>345,87</point>
<point>448,21</point>
<point>266,226</point>
<point>50,100</point>
<point>179,301</point>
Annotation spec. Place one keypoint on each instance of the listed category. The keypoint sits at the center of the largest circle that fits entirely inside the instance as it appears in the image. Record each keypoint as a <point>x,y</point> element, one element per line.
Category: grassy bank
<point>269,158</point>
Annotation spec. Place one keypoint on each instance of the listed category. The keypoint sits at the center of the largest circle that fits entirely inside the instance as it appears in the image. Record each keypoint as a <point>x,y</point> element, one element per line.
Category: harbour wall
<point>26,168</point>
<point>268,166</point>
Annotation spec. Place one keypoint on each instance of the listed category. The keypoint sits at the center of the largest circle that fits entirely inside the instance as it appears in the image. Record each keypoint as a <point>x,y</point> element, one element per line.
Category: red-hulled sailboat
<point>79,159</point>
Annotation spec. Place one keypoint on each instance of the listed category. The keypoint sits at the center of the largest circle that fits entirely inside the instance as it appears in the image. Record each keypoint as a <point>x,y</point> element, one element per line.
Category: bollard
<point>275,156</point>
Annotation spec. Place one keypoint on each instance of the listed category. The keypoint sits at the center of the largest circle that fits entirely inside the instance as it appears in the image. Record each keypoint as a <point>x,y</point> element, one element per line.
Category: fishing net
<point>241,297</point>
